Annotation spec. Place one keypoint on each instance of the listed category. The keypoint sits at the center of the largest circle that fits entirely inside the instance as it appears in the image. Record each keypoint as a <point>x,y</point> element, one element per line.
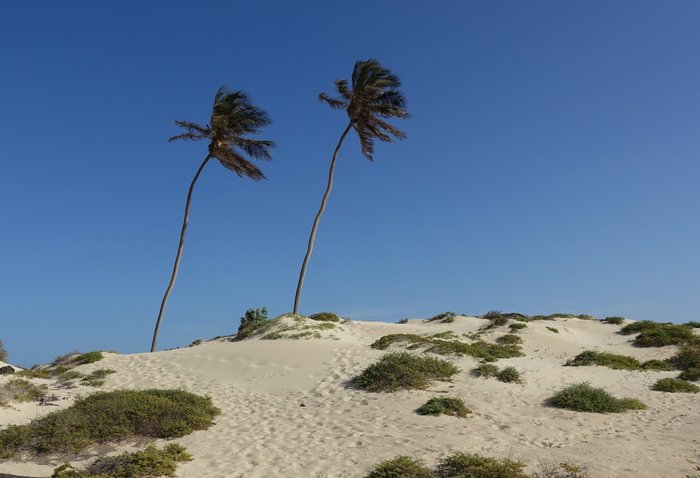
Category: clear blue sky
<point>551,165</point>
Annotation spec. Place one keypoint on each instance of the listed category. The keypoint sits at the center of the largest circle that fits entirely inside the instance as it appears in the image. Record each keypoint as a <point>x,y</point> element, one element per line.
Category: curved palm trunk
<point>179,254</point>
<point>312,237</point>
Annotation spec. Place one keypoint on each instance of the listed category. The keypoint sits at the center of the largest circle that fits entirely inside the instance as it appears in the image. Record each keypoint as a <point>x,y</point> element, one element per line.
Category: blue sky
<point>551,165</point>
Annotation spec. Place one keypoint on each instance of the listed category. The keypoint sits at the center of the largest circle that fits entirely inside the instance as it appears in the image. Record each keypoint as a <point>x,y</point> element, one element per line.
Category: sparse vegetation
<point>485,370</point>
<point>325,317</point>
<point>657,334</point>
<point>617,362</point>
<point>404,371</point>
<point>462,465</point>
<point>437,344</point>
<point>444,406</point>
<point>561,315</point>
<point>691,375</point>
<point>108,417</point>
<point>582,397</point>
<point>559,470</point>
<point>254,321</point>
<point>445,318</point>
<point>509,375</point>
<point>613,320</point>
<point>149,463</point>
<point>515,326</point>
<point>687,358</point>
<point>553,329</point>
<point>20,390</point>
<point>97,378</point>
<point>509,339</point>
<point>674,385</point>
<point>401,467</point>
<point>386,341</point>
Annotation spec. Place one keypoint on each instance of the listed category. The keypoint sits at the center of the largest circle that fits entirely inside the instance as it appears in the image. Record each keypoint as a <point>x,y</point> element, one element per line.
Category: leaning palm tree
<point>373,97</point>
<point>233,117</point>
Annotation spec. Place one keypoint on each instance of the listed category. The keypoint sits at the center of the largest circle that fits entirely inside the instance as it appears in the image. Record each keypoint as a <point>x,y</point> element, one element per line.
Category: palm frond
<point>332,102</point>
<point>237,163</point>
<point>187,137</point>
<point>193,127</point>
<point>258,149</point>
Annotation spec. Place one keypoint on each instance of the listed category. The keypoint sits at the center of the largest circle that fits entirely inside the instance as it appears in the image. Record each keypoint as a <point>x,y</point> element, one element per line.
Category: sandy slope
<point>286,410</point>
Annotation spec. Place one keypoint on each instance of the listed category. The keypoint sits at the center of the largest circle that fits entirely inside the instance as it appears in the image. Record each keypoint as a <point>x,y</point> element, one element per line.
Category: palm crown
<point>374,96</point>
<point>232,118</point>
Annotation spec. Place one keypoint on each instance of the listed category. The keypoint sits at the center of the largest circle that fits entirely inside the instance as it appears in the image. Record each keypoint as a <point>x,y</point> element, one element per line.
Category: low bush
<point>691,375</point>
<point>657,365</point>
<point>582,397</point>
<point>613,320</point>
<point>148,463</point>
<point>462,465</point>
<point>509,375</point>
<point>485,370</point>
<point>454,407</point>
<point>386,341</point>
<point>517,326</point>
<point>109,417</point>
<point>437,344</point>
<point>253,321</point>
<point>404,371</point>
<point>20,390</point>
<point>401,467</point>
<point>97,378</point>
<point>693,324</point>
<point>445,318</point>
<point>559,470</point>
<point>617,362</point>
<point>553,329</point>
<point>325,317</point>
<point>509,339</point>
<point>561,315</point>
<point>657,334</point>
<point>674,385</point>
<point>687,357</point>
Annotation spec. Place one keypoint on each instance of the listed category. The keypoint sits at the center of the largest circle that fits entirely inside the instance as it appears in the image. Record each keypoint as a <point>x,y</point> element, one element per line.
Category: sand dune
<point>287,410</point>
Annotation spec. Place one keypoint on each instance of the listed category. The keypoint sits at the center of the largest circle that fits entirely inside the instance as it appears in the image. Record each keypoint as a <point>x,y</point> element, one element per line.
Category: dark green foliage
<point>254,321</point>
<point>561,315</point>
<point>693,324</point>
<point>641,326</point>
<point>401,467</point>
<point>478,349</point>
<point>617,362</point>
<point>667,335</point>
<point>110,417</point>
<point>496,322</point>
<point>444,406</point>
<point>402,321</point>
<point>325,317</point>
<point>582,397</point>
<point>517,326</point>
<point>553,329</point>
<point>509,375</point>
<point>613,320</point>
<point>691,374</point>
<point>445,318</point>
<point>90,357</point>
<point>657,365</point>
<point>384,342</point>
<point>688,357</point>
<point>149,463</point>
<point>404,371</point>
<point>509,339</point>
<point>461,465</point>
<point>485,370</point>
<point>3,352</point>
<point>674,385</point>
<point>20,390</point>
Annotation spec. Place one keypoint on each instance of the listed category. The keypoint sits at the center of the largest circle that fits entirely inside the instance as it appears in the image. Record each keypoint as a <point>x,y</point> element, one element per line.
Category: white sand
<point>264,431</point>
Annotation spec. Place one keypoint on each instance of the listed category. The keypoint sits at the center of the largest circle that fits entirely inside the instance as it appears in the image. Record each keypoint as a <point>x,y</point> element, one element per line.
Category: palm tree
<point>373,97</point>
<point>232,118</point>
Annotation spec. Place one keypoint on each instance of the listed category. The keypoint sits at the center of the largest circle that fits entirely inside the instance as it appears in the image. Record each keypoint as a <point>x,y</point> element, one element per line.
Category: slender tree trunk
<point>312,237</point>
<point>179,253</point>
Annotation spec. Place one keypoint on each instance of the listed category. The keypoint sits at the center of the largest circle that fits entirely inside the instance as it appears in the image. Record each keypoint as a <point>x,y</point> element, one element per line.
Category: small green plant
<point>252,322</point>
<point>613,320</point>
<point>553,329</point>
<point>401,467</point>
<point>325,317</point>
<point>674,385</point>
<point>404,371</point>
<point>485,370</point>
<point>462,465</point>
<point>148,463</point>
<point>445,318</point>
<point>86,358</point>
<point>559,470</point>
<point>509,339</point>
<point>509,375</point>
<point>110,417</point>
<point>657,365</point>
<point>97,378</point>
<point>386,341</point>
<point>656,334</point>
<point>477,349</point>
<point>687,357</point>
<point>614,361</point>
<point>582,397</point>
<point>452,406</point>
<point>691,375</point>
<point>515,326</point>
<point>20,390</point>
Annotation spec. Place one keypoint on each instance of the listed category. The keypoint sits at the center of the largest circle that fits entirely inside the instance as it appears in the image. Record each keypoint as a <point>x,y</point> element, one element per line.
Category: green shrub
<point>553,329</point>
<point>3,352</point>
<point>444,406</point>
<point>325,317</point>
<point>662,336</point>
<point>561,315</point>
<point>90,357</point>
<point>582,397</point>
<point>509,339</point>
<point>674,385</point>
<point>462,465</point>
<point>632,404</point>
<point>148,463</point>
<point>478,349</point>
<point>20,390</point>
<point>404,371</point>
<point>657,365</point>
<point>109,417</point>
<point>252,322</point>
<point>688,357</point>
<point>97,378</point>
<point>613,320</point>
<point>445,318</point>
<point>693,324</point>
<point>517,326</point>
<point>509,375</point>
<point>401,467</point>
<point>386,341</point>
<point>559,470</point>
<point>485,370</point>
<point>614,361</point>
<point>691,374</point>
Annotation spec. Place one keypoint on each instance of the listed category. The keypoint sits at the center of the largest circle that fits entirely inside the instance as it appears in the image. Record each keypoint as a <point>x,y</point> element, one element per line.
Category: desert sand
<point>287,410</point>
